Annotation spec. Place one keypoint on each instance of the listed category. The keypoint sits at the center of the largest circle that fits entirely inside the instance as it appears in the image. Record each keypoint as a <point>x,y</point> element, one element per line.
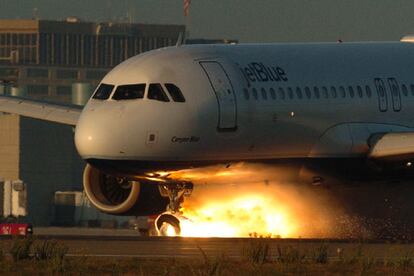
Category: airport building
<point>42,59</point>
<point>42,155</point>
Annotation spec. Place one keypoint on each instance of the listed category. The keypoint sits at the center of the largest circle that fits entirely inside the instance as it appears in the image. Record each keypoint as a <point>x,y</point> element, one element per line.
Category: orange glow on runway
<point>252,200</point>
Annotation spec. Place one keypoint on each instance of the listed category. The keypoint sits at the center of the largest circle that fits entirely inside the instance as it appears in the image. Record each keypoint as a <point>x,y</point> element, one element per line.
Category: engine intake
<point>121,196</point>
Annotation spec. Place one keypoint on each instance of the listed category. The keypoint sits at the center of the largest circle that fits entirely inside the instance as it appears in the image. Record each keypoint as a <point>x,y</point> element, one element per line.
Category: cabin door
<point>395,94</point>
<point>224,91</point>
<point>382,95</point>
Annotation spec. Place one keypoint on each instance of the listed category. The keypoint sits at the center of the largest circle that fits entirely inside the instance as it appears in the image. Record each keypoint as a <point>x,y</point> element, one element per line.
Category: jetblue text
<point>259,72</point>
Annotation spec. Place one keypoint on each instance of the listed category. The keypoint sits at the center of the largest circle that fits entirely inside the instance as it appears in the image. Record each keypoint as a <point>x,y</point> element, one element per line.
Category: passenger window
<point>351,91</point>
<point>273,93</point>
<point>298,92</point>
<point>129,92</point>
<point>103,92</point>
<point>333,92</point>
<point>246,94</point>
<point>404,90</point>
<point>175,93</point>
<point>290,93</point>
<point>316,92</point>
<point>360,93</point>
<point>264,94</point>
<point>325,92</point>
<point>368,91</point>
<point>155,92</point>
<point>342,91</point>
<point>255,96</point>
<point>308,92</point>
<point>281,93</point>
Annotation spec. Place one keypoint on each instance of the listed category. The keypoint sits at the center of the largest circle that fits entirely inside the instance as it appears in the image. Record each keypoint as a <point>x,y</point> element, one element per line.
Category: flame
<point>170,230</point>
<point>253,215</point>
<point>251,200</point>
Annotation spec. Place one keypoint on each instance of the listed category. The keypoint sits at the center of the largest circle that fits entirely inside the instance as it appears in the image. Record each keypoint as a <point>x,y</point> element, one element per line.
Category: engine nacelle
<point>121,196</point>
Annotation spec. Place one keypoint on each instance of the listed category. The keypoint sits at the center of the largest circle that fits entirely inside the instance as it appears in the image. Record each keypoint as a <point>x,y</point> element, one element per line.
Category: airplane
<point>341,108</point>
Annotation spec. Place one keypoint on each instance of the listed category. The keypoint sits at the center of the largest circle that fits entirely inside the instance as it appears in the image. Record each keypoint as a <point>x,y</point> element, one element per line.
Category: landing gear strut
<point>168,223</point>
<point>175,191</point>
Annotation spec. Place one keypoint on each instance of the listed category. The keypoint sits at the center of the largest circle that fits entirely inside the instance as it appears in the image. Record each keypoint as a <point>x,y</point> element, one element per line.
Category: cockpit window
<point>129,92</point>
<point>175,92</point>
<point>155,92</point>
<point>103,92</point>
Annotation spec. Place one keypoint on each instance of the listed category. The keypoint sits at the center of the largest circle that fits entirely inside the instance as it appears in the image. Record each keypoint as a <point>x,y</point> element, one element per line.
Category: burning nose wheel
<point>169,229</point>
<point>168,224</point>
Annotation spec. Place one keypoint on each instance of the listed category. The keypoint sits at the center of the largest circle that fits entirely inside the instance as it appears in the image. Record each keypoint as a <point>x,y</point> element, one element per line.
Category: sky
<point>245,20</point>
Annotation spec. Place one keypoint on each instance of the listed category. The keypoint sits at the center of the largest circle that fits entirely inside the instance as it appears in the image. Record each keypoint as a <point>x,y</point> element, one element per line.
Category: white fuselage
<point>254,102</point>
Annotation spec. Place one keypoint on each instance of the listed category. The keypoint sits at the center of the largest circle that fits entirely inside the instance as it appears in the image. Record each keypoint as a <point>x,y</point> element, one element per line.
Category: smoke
<point>261,200</point>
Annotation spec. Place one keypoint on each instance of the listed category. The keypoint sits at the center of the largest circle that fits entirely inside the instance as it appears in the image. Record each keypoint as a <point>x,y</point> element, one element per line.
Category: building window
<point>9,73</point>
<point>95,75</point>
<point>67,74</point>
<point>63,90</point>
<point>37,73</point>
<point>37,90</point>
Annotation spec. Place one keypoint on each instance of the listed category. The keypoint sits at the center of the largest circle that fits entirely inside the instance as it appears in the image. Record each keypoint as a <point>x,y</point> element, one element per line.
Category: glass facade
<point>24,43</point>
<point>88,44</point>
<point>45,58</point>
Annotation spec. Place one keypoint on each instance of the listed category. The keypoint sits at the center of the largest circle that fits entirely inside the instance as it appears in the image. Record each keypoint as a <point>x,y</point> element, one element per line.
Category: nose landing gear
<point>175,191</point>
<point>168,223</point>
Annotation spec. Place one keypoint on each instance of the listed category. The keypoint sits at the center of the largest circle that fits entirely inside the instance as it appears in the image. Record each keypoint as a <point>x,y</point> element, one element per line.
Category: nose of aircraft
<point>99,133</point>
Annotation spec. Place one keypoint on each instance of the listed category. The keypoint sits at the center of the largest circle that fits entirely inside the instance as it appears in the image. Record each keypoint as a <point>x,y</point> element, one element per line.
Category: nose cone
<point>99,133</point>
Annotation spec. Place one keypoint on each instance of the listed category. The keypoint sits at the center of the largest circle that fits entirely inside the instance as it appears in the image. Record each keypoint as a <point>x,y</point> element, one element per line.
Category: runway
<point>178,247</point>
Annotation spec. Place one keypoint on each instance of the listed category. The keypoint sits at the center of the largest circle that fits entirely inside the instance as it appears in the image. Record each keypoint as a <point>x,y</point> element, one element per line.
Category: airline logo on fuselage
<point>259,72</point>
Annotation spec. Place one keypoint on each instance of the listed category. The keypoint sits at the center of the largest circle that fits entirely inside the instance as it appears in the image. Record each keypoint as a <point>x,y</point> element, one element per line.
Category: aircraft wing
<point>59,113</point>
<point>394,145</point>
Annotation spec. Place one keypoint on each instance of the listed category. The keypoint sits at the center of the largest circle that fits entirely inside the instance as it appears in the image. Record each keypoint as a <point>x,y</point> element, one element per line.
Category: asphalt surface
<point>178,247</point>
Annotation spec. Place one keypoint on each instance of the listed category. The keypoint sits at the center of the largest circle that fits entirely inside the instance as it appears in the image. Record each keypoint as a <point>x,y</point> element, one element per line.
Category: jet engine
<point>121,195</point>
